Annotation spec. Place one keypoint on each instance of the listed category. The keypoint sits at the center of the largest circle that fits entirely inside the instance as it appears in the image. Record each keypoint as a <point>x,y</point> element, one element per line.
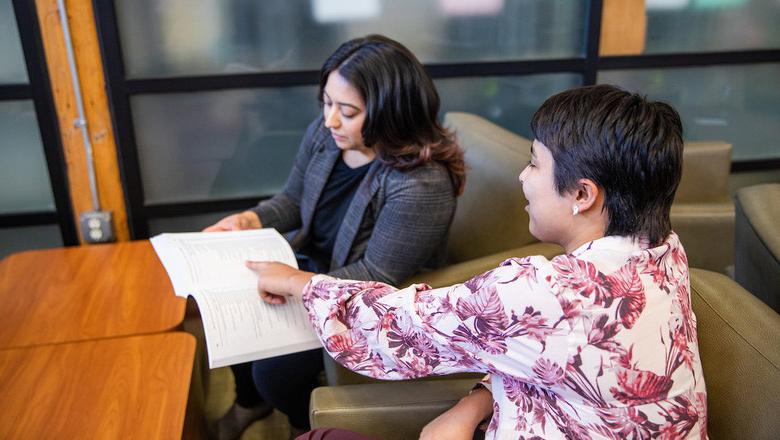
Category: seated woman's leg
<point>286,382</point>
<point>246,393</point>
<point>247,408</point>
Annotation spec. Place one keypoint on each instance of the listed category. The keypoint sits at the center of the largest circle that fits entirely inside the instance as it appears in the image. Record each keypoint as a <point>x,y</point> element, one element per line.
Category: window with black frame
<point>211,98</point>
<point>726,84</point>
<point>34,207</point>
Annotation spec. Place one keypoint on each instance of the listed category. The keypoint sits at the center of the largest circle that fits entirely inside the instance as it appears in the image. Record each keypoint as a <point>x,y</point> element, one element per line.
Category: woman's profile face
<point>344,112</point>
<point>550,213</point>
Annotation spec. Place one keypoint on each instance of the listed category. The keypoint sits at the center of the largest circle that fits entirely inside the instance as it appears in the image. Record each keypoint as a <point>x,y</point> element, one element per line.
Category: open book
<point>239,326</point>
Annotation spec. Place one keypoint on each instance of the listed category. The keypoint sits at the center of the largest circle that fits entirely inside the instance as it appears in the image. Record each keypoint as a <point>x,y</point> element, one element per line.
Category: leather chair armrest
<point>460,272</point>
<point>760,204</point>
<point>738,343</point>
<point>757,258</point>
<point>387,410</point>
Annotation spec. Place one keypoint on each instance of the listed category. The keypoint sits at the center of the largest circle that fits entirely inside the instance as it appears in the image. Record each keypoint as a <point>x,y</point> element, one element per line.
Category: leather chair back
<point>490,216</point>
<point>706,168</point>
<point>703,213</point>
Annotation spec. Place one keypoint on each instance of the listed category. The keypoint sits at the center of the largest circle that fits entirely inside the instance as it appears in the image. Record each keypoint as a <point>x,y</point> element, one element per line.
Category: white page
<point>240,327</point>
<point>208,260</point>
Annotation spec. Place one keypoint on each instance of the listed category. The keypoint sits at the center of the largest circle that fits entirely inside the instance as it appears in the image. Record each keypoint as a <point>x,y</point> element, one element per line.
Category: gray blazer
<point>395,226</point>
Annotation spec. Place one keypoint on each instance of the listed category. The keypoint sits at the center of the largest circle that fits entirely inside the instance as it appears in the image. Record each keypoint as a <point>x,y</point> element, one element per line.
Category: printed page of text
<point>204,261</point>
<point>240,327</point>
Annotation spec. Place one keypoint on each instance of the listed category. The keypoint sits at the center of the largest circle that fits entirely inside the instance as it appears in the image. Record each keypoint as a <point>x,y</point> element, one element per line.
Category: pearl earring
<point>575,209</point>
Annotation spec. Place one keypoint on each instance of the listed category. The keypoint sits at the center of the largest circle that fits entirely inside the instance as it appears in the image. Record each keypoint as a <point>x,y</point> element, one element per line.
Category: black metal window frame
<point>38,90</point>
<point>120,90</point>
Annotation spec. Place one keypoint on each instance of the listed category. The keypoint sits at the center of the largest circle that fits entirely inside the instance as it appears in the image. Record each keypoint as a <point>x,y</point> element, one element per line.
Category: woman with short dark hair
<point>597,343</point>
<point>371,196</point>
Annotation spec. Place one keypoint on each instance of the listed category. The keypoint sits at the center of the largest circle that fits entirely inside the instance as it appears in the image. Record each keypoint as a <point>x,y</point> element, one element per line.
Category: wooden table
<point>82,293</point>
<point>121,388</point>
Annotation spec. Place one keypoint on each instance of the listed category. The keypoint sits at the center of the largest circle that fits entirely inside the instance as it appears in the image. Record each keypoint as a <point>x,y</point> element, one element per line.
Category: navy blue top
<point>331,208</point>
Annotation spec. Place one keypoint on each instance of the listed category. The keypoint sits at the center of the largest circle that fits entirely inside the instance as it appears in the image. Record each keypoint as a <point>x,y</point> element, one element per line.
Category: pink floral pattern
<point>597,344</point>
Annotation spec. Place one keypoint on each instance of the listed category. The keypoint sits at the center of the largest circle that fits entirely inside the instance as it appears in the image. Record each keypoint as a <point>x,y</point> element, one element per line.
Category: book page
<point>209,260</point>
<point>240,327</point>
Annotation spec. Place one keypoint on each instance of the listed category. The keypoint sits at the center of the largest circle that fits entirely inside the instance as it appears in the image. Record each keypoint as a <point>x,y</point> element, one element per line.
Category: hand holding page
<point>239,326</point>
<point>197,260</point>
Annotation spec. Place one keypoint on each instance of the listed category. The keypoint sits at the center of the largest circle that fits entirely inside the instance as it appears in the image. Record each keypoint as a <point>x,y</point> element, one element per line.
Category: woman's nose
<point>332,118</point>
<point>522,173</point>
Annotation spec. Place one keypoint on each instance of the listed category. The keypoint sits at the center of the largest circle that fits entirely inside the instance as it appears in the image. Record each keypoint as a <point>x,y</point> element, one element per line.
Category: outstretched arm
<point>460,421</point>
<point>377,330</point>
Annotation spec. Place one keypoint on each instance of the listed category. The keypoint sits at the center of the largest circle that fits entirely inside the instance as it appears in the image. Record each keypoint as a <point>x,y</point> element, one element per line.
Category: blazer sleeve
<point>412,225</point>
<point>505,321</point>
<point>283,211</point>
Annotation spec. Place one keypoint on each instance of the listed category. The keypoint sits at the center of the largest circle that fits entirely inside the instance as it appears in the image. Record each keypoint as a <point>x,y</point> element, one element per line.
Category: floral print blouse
<point>596,344</point>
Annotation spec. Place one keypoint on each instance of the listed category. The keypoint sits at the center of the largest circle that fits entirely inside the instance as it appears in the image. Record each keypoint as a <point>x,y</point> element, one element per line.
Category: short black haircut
<point>627,145</point>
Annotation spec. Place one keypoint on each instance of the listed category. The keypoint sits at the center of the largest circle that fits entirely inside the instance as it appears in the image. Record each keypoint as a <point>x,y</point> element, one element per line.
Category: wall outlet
<point>96,226</point>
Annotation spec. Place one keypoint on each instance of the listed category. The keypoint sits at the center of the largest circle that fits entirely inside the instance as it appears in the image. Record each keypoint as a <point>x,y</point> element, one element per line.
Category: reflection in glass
<point>711,25</point>
<point>14,240</point>
<point>189,37</point>
<point>217,145</point>
<point>738,104</point>
<point>12,68</point>
<point>241,143</point>
<point>509,101</point>
<point>24,177</point>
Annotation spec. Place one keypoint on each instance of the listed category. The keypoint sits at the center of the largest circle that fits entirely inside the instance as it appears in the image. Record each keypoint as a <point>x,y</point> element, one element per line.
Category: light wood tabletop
<point>121,388</point>
<point>82,293</point>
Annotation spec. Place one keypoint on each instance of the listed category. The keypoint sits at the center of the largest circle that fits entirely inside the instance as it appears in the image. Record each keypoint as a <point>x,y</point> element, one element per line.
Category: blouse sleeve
<point>504,321</point>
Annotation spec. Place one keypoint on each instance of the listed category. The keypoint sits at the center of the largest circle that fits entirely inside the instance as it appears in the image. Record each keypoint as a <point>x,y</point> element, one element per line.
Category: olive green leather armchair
<point>740,354</point>
<point>490,223</point>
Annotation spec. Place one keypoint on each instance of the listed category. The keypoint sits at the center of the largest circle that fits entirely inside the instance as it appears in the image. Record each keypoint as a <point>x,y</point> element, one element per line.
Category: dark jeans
<point>284,382</point>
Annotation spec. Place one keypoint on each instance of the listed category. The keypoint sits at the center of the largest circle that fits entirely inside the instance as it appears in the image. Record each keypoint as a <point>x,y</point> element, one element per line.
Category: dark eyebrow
<point>343,104</point>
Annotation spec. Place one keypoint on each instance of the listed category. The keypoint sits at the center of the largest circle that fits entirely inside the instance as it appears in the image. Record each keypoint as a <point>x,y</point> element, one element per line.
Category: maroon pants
<point>333,434</point>
<point>343,434</point>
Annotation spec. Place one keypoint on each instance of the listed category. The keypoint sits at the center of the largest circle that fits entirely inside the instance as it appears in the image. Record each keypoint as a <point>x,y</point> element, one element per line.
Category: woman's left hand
<point>275,281</point>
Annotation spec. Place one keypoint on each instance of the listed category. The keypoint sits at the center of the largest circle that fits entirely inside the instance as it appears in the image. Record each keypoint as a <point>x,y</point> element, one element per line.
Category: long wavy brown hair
<point>402,105</point>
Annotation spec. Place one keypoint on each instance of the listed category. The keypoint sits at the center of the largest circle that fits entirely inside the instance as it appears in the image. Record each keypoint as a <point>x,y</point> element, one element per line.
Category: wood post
<point>623,27</point>
<point>90,70</point>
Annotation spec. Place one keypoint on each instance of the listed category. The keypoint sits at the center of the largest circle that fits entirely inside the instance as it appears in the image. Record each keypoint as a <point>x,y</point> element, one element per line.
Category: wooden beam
<point>92,82</point>
<point>623,27</point>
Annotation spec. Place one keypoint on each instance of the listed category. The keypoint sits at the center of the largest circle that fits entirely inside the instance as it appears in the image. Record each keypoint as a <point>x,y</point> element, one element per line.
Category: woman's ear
<point>588,195</point>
